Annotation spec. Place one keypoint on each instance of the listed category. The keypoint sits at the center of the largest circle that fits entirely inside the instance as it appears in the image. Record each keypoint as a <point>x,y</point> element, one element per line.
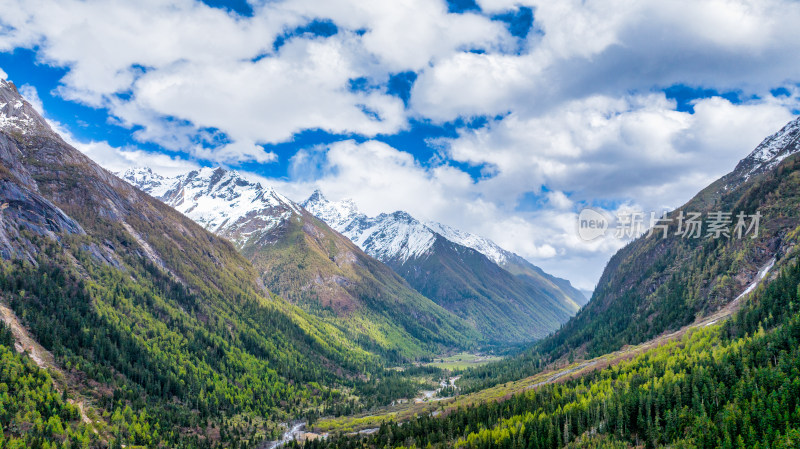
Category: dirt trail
<point>562,373</point>
<point>41,356</point>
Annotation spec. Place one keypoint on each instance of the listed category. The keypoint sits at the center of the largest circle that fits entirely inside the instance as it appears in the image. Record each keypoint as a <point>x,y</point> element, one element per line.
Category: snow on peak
<point>335,214</point>
<point>145,179</point>
<point>317,196</point>
<point>480,244</point>
<point>395,236</point>
<point>775,148</point>
<point>220,200</point>
<point>16,114</point>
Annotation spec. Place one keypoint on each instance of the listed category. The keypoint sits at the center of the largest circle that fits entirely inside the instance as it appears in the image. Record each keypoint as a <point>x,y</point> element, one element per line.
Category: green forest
<point>733,385</point>
<point>125,324</point>
<point>163,367</point>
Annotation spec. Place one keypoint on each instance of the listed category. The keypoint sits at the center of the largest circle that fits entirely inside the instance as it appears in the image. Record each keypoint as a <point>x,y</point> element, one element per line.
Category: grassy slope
<point>326,274</point>
<point>465,282</point>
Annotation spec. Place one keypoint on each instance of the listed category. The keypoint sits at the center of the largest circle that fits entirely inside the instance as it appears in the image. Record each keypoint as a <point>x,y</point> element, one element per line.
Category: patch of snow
<point>761,273</point>
<point>396,236</point>
<point>220,200</point>
<point>775,148</point>
<point>480,244</point>
<point>148,181</point>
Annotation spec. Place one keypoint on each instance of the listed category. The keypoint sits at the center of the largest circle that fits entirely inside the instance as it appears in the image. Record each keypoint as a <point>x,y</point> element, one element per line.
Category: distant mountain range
<point>499,294</point>
<point>506,297</point>
<point>305,261</point>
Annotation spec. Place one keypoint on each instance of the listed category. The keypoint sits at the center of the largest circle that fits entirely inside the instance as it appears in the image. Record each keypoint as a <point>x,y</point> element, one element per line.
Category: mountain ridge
<point>312,265</point>
<point>504,295</point>
<point>158,323</point>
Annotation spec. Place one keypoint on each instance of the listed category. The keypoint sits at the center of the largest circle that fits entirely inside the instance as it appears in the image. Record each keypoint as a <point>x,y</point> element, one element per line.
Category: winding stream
<point>297,429</point>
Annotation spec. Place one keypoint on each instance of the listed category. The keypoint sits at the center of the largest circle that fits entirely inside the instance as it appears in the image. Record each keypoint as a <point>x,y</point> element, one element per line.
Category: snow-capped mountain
<point>304,260</point>
<point>497,292</point>
<point>397,235</point>
<point>770,152</point>
<point>480,244</point>
<point>467,274</point>
<point>220,200</point>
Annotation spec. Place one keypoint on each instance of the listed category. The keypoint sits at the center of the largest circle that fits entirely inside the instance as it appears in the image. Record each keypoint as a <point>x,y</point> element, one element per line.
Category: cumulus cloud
<point>409,35</point>
<point>634,154</point>
<point>117,159</point>
<point>614,47</point>
<point>112,158</point>
<point>176,69</point>
<point>573,114</point>
<point>604,147</point>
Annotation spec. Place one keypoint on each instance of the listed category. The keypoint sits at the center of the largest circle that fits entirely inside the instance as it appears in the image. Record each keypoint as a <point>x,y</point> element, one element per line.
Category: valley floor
<point>558,372</point>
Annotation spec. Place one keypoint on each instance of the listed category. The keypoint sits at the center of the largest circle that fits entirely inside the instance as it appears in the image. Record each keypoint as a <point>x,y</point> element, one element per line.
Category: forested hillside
<point>731,385</point>
<point>304,261</point>
<point>656,284</point>
<point>157,323</point>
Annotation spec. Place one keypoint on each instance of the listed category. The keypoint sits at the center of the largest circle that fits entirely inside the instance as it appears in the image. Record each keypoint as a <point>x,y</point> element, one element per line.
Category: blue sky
<point>499,117</point>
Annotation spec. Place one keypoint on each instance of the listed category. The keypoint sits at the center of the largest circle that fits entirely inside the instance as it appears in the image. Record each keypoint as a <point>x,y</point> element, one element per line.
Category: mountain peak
<point>403,216</point>
<point>8,84</point>
<point>140,172</point>
<point>147,180</point>
<point>219,199</point>
<point>16,114</point>
<point>317,197</point>
<point>771,151</point>
<point>483,245</point>
<point>336,212</point>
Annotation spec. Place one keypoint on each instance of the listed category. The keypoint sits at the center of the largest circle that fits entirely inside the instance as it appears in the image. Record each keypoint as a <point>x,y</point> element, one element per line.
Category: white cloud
<point>3,75</point>
<point>637,149</point>
<point>32,95</point>
<point>273,98</point>
<point>581,114</point>
<point>410,34</point>
<point>616,47</point>
<point>116,159</point>
<point>201,67</point>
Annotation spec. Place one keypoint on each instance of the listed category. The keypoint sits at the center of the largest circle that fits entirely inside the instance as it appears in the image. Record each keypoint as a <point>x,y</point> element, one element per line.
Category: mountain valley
<point>488,289</point>
<point>506,297</point>
<point>206,310</point>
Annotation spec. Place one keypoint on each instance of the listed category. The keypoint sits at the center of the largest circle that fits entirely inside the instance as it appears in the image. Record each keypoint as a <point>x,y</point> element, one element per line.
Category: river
<point>296,430</point>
